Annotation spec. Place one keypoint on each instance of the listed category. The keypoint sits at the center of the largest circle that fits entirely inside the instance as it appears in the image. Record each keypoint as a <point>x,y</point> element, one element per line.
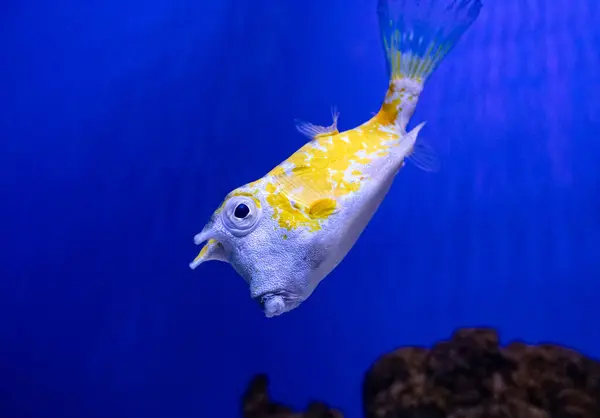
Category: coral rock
<point>256,403</point>
<point>468,376</point>
<point>472,376</point>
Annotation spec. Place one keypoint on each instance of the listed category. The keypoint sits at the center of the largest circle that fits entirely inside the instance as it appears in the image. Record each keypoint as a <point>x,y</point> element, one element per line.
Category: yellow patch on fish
<point>289,214</point>
<point>304,190</point>
<point>322,208</point>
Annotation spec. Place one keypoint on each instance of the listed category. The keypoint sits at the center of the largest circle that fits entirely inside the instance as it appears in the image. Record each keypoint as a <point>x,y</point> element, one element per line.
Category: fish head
<point>281,265</point>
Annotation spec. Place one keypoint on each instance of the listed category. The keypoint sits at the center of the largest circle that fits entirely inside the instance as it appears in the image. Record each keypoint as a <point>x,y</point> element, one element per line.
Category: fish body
<point>286,231</point>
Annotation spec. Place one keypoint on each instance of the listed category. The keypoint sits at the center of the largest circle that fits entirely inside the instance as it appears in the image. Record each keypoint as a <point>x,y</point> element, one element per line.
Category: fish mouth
<point>212,249</point>
<point>277,302</point>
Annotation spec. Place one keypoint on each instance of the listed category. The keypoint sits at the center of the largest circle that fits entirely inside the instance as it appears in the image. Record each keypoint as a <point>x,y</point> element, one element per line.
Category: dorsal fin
<point>315,131</point>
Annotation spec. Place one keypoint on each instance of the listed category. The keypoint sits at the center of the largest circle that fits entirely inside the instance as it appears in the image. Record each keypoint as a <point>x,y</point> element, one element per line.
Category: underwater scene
<point>300,208</point>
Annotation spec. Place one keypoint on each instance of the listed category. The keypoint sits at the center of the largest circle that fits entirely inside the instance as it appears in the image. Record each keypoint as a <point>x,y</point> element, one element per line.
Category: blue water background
<point>124,123</point>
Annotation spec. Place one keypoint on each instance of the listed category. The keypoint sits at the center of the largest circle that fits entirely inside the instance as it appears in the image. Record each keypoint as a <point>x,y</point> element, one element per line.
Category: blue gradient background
<point>124,123</point>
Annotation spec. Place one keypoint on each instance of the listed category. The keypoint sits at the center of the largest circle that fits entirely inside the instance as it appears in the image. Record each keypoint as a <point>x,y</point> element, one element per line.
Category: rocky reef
<point>256,403</point>
<point>468,376</point>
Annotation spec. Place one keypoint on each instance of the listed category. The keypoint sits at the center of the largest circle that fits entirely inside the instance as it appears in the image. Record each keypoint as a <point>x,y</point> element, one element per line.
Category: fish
<point>285,232</point>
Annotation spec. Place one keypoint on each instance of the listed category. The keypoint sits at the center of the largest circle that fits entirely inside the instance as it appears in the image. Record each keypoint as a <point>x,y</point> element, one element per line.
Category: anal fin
<point>418,151</point>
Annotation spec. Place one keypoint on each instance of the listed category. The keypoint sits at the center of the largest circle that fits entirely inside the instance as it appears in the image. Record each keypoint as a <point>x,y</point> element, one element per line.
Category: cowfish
<point>285,232</point>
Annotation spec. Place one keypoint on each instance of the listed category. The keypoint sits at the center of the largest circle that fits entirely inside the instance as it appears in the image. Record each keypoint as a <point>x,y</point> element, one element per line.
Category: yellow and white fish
<point>288,230</point>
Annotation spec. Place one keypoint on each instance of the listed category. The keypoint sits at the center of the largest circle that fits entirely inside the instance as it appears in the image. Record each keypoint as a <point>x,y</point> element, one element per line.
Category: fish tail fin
<point>416,36</point>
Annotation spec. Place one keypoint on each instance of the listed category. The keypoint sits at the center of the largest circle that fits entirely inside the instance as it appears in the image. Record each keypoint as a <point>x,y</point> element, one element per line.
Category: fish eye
<point>241,214</point>
<point>241,211</point>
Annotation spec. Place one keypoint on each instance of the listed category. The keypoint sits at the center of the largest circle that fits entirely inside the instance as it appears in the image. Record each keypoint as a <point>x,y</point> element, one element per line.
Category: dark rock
<point>468,376</point>
<point>471,376</point>
<point>256,403</point>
